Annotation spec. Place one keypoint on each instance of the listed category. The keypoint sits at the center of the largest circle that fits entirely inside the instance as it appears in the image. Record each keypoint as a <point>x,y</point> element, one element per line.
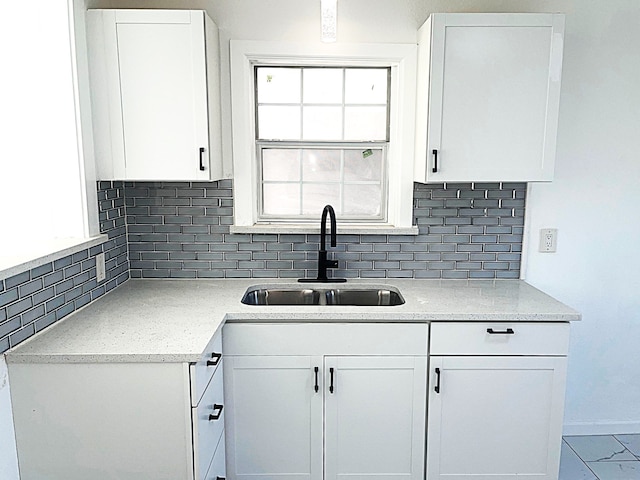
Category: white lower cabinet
<point>307,401</point>
<point>328,414</point>
<point>500,415</point>
<point>374,418</point>
<point>126,421</point>
<point>274,417</point>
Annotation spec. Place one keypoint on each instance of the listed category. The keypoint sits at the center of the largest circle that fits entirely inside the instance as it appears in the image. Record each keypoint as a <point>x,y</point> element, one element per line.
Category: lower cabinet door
<point>495,417</point>
<point>274,417</point>
<point>375,417</point>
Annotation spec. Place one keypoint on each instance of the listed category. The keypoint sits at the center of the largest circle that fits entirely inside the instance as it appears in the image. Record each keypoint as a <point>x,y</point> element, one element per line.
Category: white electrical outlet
<point>100,268</point>
<point>548,240</point>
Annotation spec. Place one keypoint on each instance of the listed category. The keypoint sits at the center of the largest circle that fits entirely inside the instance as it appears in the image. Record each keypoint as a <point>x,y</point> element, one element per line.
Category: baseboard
<point>600,428</point>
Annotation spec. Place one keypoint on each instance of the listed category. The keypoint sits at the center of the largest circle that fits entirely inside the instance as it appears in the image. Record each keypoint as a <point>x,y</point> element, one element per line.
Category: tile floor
<point>600,457</point>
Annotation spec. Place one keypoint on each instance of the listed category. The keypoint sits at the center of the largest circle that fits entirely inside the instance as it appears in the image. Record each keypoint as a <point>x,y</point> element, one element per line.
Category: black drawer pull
<point>220,478</point>
<point>437,387</point>
<point>217,409</point>
<point>508,331</point>
<point>435,161</point>
<point>216,359</point>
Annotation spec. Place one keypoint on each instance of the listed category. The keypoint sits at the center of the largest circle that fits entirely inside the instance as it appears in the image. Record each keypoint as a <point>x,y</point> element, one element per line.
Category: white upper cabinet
<point>155,94</point>
<point>488,97</point>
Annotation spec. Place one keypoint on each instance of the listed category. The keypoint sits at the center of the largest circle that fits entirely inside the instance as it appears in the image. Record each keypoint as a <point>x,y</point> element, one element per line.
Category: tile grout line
<point>580,458</point>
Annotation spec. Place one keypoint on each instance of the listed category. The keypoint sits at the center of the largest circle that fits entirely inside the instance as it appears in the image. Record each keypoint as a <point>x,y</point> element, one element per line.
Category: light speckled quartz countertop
<point>173,320</point>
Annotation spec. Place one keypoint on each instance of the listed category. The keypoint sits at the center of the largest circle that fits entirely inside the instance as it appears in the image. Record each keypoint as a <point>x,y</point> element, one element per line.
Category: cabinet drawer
<point>208,424</point>
<point>326,339</point>
<point>499,338</point>
<point>202,371</point>
<point>217,468</point>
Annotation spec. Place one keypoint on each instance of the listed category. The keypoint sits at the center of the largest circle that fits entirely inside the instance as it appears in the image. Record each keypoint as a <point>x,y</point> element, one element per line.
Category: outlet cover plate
<point>548,240</point>
<point>100,268</point>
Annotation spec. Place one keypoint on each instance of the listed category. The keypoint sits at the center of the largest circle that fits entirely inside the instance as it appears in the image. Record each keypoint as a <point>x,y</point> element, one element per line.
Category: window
<point>322,136</point>
<point>47,198</point>
<point>316,125</point>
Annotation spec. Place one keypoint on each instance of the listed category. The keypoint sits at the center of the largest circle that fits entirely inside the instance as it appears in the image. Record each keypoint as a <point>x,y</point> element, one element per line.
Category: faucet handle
<point>332,264</point>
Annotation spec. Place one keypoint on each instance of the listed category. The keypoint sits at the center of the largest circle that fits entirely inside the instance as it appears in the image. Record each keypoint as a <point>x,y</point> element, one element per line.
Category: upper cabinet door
<point>153,94</point>
<point>489,89</point>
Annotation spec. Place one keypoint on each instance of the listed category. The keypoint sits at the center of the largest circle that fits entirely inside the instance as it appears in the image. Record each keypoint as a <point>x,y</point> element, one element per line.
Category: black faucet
<point>323,263</point>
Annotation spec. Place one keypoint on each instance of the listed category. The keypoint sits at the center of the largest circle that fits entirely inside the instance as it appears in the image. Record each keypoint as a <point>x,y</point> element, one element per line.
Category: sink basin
<point>363,297</point>
<point>270,296</point>
<point>366,297</point>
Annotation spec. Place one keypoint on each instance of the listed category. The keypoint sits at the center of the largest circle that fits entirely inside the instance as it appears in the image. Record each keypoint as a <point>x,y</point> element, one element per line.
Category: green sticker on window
<point>367,153</point>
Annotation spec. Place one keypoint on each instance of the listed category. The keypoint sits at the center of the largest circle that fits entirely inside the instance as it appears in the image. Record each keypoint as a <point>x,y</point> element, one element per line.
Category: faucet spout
<point>323,227</point>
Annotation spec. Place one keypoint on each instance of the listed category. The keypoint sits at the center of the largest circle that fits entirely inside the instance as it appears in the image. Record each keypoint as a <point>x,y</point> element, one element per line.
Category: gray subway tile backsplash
<point>454,221</point>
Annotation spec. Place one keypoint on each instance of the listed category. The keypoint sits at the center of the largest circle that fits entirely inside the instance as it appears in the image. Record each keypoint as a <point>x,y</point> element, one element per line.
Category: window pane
<point>321,165</point>
<point>315,197</point>
<point>281,164</point>
<point>322,123</point>
<point>365,123</point>
<point>279,123</point>
<point>363,165</point>
<point>278,85</point>
<point>322,85</point>
<point>364,85</point>
<point>281,198</point>
<point>362,200</point>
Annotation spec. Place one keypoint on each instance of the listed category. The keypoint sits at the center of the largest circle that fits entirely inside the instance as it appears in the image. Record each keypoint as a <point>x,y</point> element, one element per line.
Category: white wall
<point>594,202</point>
<point>8,459</point>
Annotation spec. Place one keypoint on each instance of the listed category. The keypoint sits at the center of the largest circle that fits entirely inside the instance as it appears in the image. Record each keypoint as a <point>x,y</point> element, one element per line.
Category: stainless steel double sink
<point>323,296</point>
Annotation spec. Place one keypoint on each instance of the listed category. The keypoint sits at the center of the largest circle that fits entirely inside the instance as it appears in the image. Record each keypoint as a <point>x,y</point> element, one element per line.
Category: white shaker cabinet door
<point>491,86</point>
<point>274,417</point>
<point>495,417</point>
<point>164,102</point>
<point>375,417</point>
<point>155,94</point>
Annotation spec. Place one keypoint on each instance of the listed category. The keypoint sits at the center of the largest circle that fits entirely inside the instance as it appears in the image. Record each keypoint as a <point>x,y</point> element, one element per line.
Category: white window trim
<point>402,60</point>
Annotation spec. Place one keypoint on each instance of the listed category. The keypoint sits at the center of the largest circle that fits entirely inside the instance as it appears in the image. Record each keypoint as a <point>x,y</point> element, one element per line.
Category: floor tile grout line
<point>580,458</point>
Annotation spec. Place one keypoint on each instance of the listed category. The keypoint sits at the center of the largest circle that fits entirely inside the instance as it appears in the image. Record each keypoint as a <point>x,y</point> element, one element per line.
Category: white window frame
<point>401,58</point>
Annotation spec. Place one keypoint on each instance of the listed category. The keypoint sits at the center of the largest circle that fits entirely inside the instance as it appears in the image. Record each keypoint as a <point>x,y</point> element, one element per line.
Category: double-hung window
<point>312,128</point>
<point>321,137</point>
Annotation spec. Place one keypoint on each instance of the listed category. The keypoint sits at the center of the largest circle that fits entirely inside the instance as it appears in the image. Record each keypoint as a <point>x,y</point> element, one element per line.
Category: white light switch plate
<point>100,268</point>
<point>548,240</point>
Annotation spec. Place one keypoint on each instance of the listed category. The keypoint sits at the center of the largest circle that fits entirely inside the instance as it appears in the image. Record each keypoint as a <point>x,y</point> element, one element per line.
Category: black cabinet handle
<point>315,369</point>
<point>437,387</point>
<point>216,359</point>
<point>331,386</point>
<point>201,159</point>
<point>217,411</point>
<point>435,161</point>
<point>508,331</point>
<point>221,478</point>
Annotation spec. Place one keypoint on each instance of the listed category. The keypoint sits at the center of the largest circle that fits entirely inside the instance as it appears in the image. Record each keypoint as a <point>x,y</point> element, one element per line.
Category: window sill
<point>15,259</point>
<point>314,229</point>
